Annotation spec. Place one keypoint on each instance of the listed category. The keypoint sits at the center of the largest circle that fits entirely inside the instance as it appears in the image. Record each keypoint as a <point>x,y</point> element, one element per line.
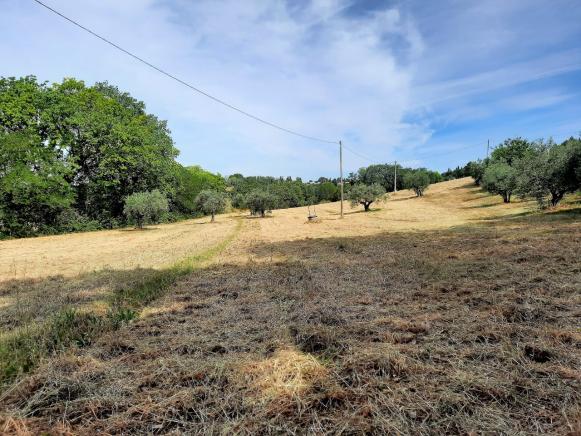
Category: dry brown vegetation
<point>451,313</point>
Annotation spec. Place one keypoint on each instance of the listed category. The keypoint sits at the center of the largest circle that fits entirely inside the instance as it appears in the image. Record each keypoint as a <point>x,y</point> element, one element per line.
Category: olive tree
<point>418,181</point>
<point>210,202</point>
<point>259,202</point>
<point>145,207</point>
<point>500,178</point>
<point>550,172</point>
<point>365,194</point>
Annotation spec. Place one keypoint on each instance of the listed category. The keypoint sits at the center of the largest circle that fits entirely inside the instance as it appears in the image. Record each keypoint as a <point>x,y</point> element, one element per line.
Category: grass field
<point>452,313</point>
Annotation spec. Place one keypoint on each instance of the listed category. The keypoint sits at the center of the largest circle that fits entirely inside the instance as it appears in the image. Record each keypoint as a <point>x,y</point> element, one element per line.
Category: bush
<point>145,207</point>
<point>211,202</point>
<point>418,181</point>
<point>72,221</point>
<point>259,202</point>
<point>365,194</point>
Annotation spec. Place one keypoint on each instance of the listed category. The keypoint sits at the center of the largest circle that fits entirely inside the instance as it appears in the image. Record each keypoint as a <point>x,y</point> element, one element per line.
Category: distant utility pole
<point>487,148</point>
<point>395,176</point>
<point>341,173</point>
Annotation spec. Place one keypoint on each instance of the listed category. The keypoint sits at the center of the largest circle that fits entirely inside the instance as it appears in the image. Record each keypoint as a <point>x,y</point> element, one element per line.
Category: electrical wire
<point>218,100</point>
<point>192,87</point>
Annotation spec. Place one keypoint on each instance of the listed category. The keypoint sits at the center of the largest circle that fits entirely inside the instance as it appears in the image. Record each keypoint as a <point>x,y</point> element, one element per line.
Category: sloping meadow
<point>471,329</point>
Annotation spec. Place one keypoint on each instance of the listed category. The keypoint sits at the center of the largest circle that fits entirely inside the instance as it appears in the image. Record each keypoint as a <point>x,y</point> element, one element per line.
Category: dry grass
<point>447,314</point>
<point>39,276</point>
<point>44,315</point>
<point>124,249</point>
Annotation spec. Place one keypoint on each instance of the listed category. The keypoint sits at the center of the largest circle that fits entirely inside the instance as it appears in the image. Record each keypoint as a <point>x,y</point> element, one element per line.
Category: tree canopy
<point>365,194</point>
<point>418,181</point>
<point>211,202</point>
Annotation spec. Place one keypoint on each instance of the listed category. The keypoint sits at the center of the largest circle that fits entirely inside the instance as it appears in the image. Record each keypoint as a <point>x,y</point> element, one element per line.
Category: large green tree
<point>33,185</point>
<point>98,140</point>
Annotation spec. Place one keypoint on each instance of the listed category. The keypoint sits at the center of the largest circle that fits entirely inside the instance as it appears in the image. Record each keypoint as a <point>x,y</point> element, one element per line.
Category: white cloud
<point>380,79</point>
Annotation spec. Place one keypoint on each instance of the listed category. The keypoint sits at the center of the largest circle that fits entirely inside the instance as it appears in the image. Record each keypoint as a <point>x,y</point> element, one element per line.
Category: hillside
<point>451,313</point>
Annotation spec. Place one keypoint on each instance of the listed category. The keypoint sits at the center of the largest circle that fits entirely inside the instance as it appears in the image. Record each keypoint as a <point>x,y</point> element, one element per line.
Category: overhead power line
<point>192,87</point>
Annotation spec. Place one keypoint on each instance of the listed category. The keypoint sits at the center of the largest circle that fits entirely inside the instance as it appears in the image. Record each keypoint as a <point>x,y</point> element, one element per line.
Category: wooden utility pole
<point>395,176</point>
<point>341,173</point>
<point>487,148</point>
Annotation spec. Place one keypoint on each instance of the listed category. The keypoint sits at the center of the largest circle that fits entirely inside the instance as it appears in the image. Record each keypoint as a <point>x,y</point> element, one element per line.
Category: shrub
<point>72,221</point>
<point>211,202</point>
<point>365,194</point>
<point>145,207</point>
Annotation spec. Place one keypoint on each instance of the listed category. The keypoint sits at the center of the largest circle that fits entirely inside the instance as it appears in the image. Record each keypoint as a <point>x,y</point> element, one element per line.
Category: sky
<point>424,83</point>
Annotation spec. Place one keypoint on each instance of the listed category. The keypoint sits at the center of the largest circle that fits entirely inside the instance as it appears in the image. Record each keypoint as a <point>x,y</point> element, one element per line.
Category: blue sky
<point>422,82</point>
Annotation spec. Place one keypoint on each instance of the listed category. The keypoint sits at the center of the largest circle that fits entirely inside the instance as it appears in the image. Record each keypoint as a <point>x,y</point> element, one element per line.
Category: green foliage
<point>69,221</point>
<point>69,145</point>
<point>418,181</point>
<point>33,184</point>
<point>145,207</point>
<point>500,178</point>
<point>381,174</point>
<point>211,202</point>
<point>285,191</point>
<point>191,181</point>
<point>550,171</point>
<point>365,194</point>
<point>259,202</point>
<point>327,191</point>
<point>475,169</point>
<point>511,151</point>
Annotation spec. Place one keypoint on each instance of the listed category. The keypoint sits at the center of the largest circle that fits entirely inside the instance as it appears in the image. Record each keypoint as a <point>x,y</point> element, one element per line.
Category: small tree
<point>259,202</point>
<point>145,207</point>
<point>418,181</point>
<point>551,172</point>
<point>210,203</point>
<point>500,178</point>
<point>365,194</point>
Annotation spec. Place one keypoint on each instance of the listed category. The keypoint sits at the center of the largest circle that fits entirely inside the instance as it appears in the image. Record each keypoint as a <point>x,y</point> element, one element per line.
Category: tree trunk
<point>262,213</point>
<point>366,206</point>
<point>556,197</point>
<point>506,197</point>
<point>213,218</point>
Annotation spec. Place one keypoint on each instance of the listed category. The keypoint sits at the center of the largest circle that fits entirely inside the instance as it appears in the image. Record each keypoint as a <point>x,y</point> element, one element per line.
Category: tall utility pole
<point>487,148</point>
<point>395,176</point>
<point>341,173</point>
